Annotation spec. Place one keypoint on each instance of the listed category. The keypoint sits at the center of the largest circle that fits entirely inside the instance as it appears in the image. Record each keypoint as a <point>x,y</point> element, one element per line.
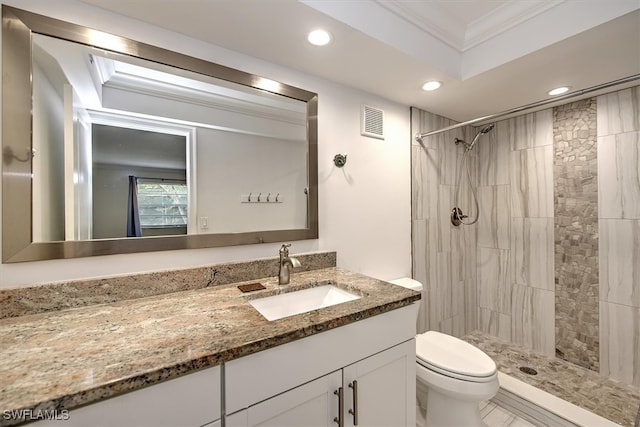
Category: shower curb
<point>542,408</point>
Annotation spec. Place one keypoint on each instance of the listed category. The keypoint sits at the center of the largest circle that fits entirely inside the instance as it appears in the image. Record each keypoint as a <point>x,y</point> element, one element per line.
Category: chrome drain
<point>529,371</point>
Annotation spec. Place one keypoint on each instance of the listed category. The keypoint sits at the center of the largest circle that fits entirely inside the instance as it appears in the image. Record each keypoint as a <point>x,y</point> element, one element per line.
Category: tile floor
<point>496,416</point>
<point>610,399</point>
<point>492,414</point>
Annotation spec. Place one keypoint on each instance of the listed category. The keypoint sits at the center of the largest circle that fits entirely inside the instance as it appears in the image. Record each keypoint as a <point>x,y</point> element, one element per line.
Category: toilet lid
<point>451,355</point>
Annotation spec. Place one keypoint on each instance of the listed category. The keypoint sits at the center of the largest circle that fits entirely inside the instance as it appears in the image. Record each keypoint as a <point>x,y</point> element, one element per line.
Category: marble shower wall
<point>618,140</point>
<point>498,276</point>
<point>515,232</point>
<point>444,256</point>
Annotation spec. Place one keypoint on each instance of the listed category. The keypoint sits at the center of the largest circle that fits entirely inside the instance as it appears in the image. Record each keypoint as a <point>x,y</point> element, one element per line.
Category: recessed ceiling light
<point>319,37</point>
<point>558,90</point>
<point>432,85</point>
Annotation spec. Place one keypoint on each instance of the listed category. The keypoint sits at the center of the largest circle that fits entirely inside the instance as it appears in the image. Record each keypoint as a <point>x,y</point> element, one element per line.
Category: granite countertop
<point>72,357</point>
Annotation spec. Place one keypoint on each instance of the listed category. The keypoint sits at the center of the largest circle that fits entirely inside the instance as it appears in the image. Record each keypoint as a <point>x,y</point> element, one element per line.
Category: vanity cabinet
<point>190,400</point>
<point>372,392</point>
<point>361,374</point>
<point>371,361</point>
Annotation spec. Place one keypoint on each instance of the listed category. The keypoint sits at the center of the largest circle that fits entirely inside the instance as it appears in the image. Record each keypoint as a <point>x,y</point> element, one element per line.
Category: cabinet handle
<point>354,411</point>
<point>339,419</point>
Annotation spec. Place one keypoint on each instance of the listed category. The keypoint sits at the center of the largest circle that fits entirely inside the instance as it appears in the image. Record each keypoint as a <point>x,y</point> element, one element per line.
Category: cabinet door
<point>311,404</point>
<point>381,390</point>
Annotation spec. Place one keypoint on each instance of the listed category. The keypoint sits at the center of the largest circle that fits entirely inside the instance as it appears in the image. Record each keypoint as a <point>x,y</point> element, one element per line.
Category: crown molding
<point>110,74</point>
<point>439,23</point>
<point>431,19</point>
<point>503,18</point>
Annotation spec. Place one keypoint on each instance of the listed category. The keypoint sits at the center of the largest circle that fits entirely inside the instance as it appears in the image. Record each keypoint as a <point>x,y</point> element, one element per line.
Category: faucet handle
<point>284,249</point>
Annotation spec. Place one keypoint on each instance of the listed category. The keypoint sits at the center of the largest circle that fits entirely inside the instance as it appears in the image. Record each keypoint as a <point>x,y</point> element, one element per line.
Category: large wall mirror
<point>114,146</point>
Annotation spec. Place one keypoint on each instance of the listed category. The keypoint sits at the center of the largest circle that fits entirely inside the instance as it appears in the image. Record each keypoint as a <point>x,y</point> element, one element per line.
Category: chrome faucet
<point>286,264</point>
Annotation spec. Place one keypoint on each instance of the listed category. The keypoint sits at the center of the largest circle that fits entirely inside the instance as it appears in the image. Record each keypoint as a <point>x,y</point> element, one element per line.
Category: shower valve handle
<point>457,216</point>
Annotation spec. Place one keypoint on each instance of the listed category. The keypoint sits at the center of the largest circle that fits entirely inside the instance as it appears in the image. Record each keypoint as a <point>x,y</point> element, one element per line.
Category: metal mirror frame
<point>17,245</point>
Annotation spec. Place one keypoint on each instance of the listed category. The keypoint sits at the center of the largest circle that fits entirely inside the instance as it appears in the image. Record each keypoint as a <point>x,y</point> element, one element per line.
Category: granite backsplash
<point>79,293</point>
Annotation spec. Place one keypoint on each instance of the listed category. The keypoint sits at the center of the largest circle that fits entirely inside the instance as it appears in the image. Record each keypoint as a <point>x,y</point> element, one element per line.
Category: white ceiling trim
<point>438,22</point>
<point>540,31</point>
<point>430,19</point>
<point>503,18</point>
<point>377,21</point>
<point>510,31</point>
<point>202,98</point>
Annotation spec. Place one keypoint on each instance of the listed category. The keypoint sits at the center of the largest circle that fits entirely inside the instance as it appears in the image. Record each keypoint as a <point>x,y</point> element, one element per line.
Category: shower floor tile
<point>608,398</point>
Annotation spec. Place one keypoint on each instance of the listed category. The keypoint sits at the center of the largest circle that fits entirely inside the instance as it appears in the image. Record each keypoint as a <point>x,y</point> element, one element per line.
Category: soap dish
<point>250,287</point>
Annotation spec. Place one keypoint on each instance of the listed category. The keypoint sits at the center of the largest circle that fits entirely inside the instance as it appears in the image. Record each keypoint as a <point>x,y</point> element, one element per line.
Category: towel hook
<point>340,160</point>
<point>8,155</point>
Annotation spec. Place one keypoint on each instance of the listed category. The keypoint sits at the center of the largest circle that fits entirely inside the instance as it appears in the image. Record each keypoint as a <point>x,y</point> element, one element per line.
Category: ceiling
<point>491,55</point>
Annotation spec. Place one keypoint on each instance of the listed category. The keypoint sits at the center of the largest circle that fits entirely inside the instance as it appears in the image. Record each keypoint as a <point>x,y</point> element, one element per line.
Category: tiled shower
<point>553,264</point>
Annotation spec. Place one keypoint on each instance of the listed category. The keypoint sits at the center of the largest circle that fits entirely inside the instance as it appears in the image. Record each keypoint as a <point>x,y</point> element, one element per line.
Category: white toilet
<point>456,374</point>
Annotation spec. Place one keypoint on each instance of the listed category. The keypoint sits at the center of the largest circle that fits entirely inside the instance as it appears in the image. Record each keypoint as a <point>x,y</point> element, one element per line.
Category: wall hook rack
<point>340,160</point>
<point>262,197</point>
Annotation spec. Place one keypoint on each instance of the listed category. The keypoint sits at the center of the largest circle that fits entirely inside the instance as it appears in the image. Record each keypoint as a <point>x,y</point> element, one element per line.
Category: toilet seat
<point>454,358</point>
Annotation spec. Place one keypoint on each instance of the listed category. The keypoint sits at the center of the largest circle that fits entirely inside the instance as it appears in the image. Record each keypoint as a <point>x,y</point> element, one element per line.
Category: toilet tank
<point>414,285</point>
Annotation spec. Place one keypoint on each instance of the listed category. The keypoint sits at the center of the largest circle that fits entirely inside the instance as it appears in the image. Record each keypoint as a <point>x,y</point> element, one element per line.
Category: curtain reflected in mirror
<point>133,214</point>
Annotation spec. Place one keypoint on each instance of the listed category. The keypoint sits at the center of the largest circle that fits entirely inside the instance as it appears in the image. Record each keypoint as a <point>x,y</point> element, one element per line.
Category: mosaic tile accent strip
<point>79,293</point>
<point>576,233</point>
<point>608,398</point>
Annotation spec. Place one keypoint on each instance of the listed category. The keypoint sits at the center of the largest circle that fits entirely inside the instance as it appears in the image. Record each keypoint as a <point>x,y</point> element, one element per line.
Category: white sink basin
<point>283,305</point>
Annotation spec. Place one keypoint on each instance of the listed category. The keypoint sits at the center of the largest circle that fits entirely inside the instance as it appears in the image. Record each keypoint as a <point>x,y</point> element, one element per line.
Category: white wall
<point>276,167</point>
<point>275,151</point>
<point>364,207</point>
<point>48,183</point>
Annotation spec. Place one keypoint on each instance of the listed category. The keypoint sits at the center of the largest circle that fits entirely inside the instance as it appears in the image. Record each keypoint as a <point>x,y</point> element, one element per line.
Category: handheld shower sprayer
<point>487,128</point>
<point>483,131</point>
<point>457,217</point>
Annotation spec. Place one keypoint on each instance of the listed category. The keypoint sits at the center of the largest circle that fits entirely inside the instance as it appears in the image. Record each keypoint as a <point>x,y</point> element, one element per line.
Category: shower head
<point>483,131</point>
<point>487,129</point>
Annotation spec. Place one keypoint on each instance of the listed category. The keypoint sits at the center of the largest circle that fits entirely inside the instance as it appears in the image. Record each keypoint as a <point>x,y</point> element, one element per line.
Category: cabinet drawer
<point>190,400</point>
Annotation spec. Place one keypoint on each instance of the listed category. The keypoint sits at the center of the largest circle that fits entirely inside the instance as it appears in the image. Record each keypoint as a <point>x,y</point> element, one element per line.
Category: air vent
<point>372,122</point>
